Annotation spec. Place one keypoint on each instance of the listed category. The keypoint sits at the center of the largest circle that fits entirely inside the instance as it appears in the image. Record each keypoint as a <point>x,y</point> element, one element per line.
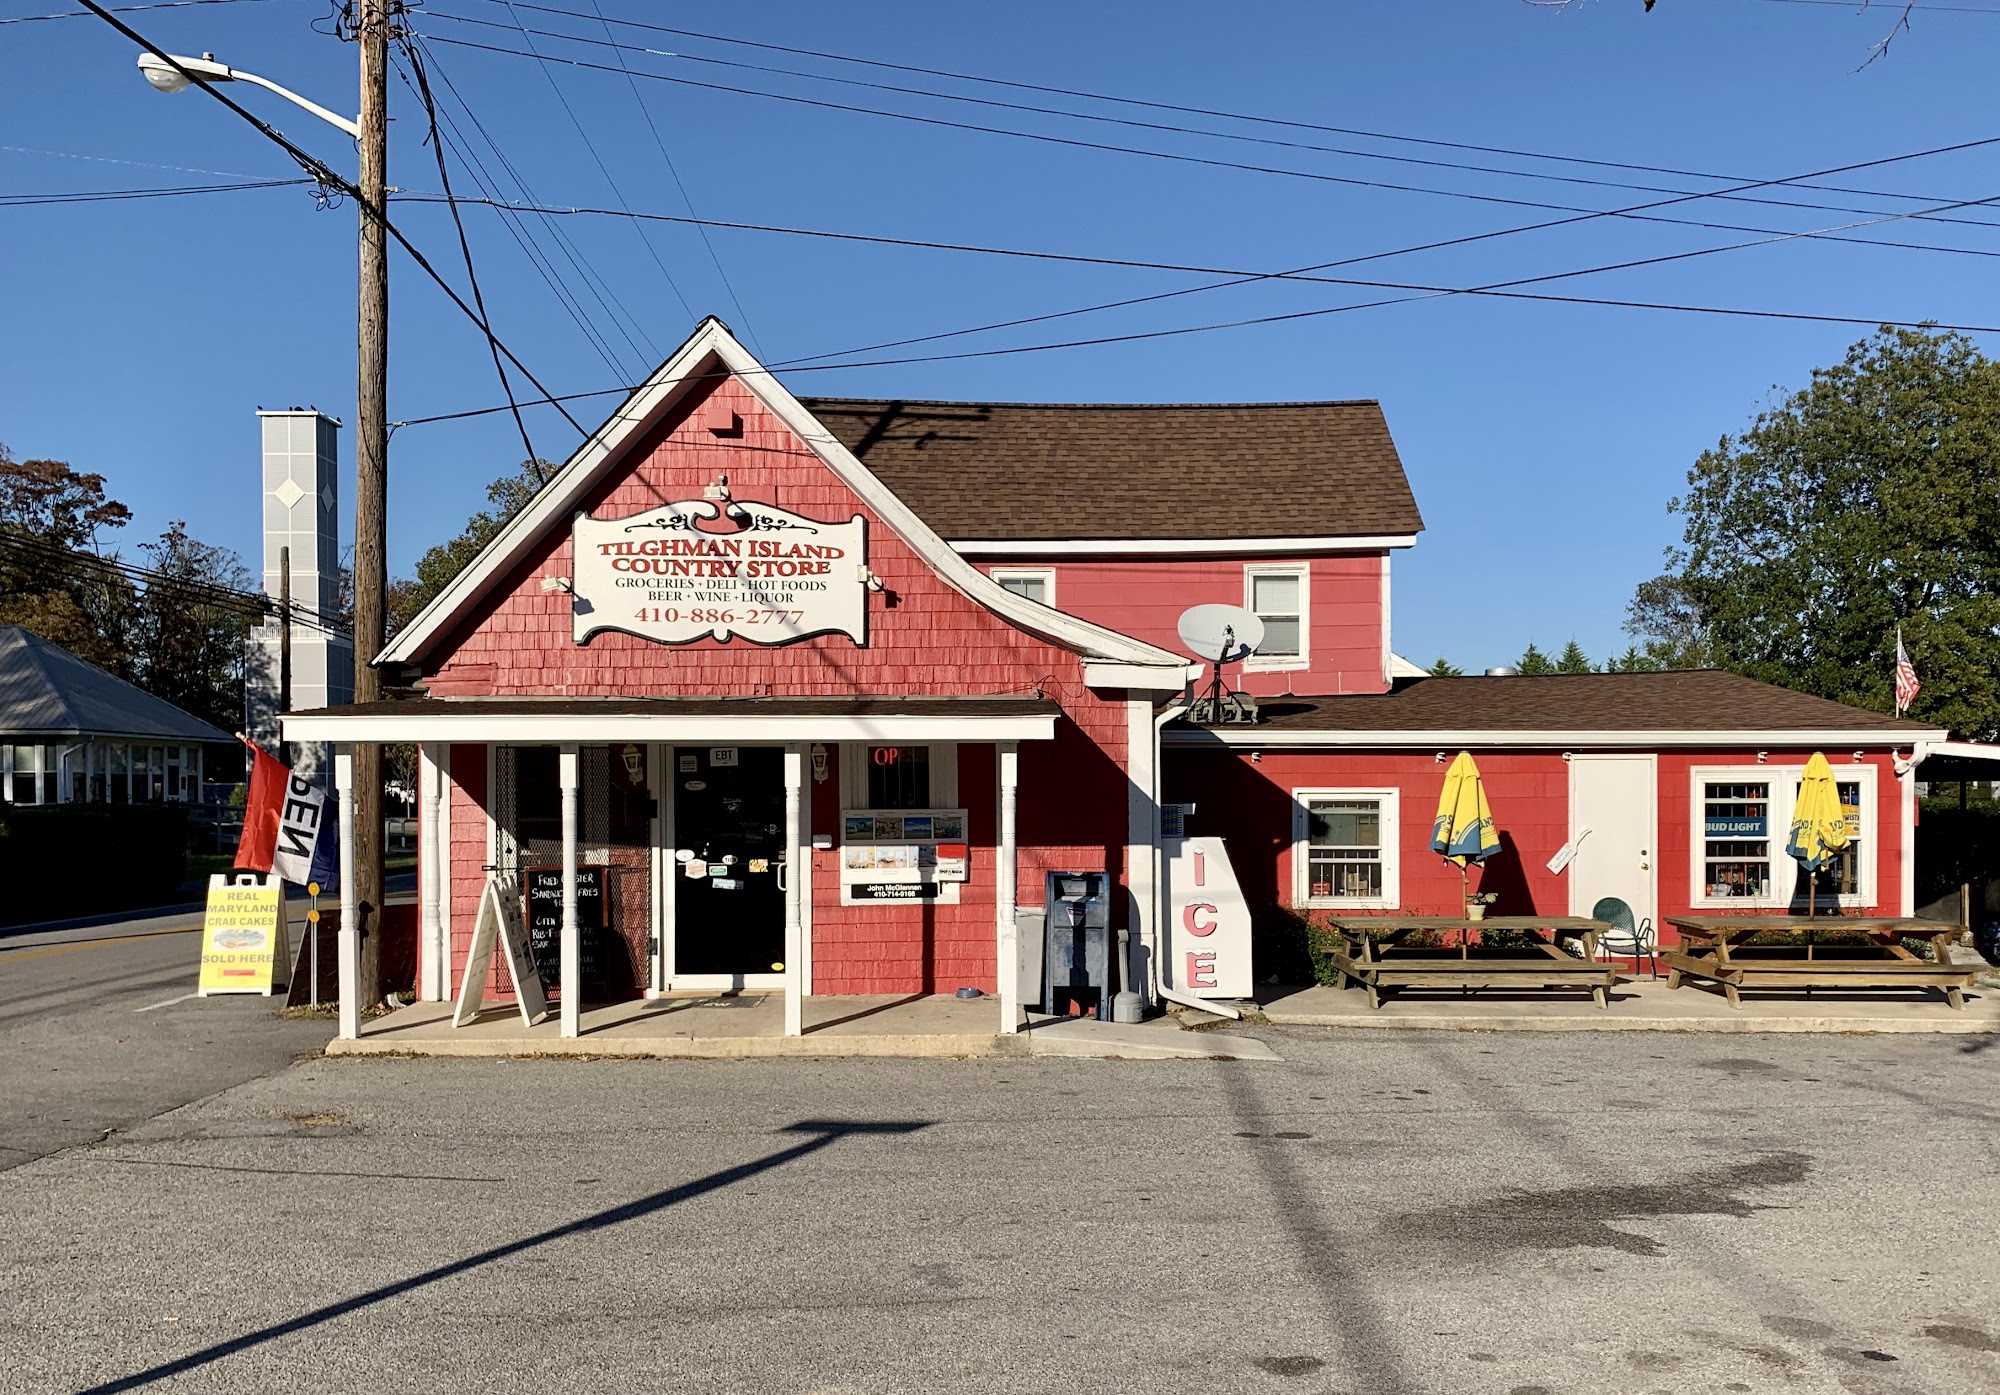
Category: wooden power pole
<point>372,22</point>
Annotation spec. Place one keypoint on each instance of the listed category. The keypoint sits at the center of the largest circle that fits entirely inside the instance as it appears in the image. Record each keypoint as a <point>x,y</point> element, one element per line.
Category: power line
<point>515,223</point>
<point>465,247</point>
<point>161,192</point>
<point>1315,176</point>
<point>672,170</point>
<point>1191,110</point>
<point>324,175</point>
<point>610,180</point>
<point>129,9</point>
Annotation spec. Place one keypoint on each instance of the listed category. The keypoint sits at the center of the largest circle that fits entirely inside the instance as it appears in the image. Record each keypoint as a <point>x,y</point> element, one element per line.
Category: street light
<point>372,22</point>
<point>171,74</point>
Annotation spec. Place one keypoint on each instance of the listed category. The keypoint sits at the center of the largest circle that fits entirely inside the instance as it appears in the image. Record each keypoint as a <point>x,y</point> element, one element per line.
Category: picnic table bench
<point>1373,953</point>
<point>1716,948</point>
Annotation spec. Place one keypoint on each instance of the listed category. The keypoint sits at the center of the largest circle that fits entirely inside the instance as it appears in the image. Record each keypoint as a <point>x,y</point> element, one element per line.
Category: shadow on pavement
<point>822,1133</point>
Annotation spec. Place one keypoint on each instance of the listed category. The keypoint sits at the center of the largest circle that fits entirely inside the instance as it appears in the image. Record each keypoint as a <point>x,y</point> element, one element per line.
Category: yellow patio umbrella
<point>1463,830</point>
<point>1819,826</point>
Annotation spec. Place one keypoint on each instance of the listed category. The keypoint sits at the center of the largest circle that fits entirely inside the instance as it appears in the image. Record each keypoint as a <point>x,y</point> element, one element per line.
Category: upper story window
<point>1035,583</point>
<point>1277,595</point>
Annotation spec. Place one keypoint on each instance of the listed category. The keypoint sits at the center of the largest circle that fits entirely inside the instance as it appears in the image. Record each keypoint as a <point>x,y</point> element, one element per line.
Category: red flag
<point>261,811</point>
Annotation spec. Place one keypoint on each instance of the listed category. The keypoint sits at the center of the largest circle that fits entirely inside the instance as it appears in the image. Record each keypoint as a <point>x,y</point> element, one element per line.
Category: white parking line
<point>168,1003</point>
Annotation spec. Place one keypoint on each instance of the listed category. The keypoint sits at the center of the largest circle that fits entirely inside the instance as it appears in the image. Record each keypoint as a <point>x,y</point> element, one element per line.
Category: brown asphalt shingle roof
<point>1017,470</point>
<point>1689,700</point>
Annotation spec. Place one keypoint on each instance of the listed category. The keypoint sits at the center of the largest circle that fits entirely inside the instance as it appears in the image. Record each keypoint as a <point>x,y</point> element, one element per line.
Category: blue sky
<point>1543,440</point>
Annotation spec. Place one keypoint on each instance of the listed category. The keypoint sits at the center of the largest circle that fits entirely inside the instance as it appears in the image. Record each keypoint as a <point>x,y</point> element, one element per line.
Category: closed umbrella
<point>1819,826</point>
<point>1463,831</point>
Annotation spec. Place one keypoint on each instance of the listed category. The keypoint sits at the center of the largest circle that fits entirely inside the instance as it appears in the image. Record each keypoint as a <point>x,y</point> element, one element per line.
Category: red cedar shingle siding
<point>1693,700</point>
<point>977,470</point>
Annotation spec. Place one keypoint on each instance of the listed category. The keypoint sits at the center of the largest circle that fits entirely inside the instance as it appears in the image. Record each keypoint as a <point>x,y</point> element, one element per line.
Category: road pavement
<point>1379,1214</point>
<point>99,1029</point>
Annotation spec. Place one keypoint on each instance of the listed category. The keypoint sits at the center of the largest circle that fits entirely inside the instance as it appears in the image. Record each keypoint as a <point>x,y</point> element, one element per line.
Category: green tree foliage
<point>1534,662</point>
<point>1867,500</point>
<point>508,495</point>
<point>1573,659</point>
<point>188,625</point>
<point>1445,668</point>
<point>52,580</point>
<point>1633,660</point>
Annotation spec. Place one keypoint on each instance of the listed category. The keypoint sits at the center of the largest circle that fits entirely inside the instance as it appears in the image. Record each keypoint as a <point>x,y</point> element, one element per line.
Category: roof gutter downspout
<point>1159,989</point>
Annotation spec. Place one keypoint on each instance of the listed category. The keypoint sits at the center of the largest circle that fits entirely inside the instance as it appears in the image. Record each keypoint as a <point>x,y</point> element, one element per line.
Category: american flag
<point>1906,676</point>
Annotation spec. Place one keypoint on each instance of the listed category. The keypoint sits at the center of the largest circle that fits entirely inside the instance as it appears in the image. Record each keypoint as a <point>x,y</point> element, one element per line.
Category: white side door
<point>1613,824</point>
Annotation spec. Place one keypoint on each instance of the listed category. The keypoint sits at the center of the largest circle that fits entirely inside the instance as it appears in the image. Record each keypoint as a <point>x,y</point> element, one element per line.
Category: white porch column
<point>436,984</point>
<point>798,854</point>
<point>350,929</point>
<point>1907,892</point>
<point>572,947</point>
<point>1009,951</point>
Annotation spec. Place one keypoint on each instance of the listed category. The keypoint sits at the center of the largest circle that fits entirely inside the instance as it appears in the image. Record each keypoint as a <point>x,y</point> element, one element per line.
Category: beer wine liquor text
<point>687,571</point>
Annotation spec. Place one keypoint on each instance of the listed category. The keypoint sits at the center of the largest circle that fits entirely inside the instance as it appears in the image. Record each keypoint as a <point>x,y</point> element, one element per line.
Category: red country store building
<point>812,695</point>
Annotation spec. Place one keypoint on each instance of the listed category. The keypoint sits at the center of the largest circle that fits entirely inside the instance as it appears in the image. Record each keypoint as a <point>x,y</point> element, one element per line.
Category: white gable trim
<point>1139,665</point>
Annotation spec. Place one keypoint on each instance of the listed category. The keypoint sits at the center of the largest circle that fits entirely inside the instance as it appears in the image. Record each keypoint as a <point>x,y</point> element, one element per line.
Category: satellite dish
<point>1220,633</point>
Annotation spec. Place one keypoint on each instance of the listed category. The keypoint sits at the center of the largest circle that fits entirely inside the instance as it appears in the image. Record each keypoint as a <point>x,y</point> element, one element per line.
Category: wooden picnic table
<point>1716,948</point>
<point>1373,954</point>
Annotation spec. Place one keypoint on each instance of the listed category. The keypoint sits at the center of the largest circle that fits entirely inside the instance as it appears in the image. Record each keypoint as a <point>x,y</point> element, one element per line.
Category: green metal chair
<point>1626,939</point>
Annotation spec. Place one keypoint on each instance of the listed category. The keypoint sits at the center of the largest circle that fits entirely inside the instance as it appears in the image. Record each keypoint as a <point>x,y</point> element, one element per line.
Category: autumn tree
<point>1867,500</point>
<point>54,578</point>
<point>437,568</point>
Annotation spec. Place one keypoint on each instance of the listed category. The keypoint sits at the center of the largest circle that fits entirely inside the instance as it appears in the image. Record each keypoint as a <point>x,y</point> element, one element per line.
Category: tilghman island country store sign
<point>701,569</point>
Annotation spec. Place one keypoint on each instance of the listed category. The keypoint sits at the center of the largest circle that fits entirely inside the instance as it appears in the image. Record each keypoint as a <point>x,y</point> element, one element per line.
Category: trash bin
<point>1077,973</point>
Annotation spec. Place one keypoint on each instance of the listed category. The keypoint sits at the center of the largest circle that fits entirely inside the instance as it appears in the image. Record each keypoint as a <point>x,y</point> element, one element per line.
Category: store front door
<point>728,861</point>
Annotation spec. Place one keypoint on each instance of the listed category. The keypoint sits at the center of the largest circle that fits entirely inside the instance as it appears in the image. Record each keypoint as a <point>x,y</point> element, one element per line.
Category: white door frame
<point>1651,763</point>
<point>665,980</point>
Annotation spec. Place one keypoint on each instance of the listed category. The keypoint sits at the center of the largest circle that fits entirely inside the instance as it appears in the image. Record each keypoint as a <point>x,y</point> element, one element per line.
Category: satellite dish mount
<point>1221,634</point>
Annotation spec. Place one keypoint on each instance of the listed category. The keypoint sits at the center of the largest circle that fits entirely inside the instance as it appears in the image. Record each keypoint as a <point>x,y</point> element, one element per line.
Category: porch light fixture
<point>555,583</point>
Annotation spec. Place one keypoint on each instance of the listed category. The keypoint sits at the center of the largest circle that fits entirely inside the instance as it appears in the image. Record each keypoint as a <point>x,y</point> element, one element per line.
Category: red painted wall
<point>924,636</point>
<point>1250,806</point>
<point>1144,597</point>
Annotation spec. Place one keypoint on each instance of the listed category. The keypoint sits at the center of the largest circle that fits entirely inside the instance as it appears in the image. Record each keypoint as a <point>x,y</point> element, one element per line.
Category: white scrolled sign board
<point>1207,922</point>
<point>676,573</point>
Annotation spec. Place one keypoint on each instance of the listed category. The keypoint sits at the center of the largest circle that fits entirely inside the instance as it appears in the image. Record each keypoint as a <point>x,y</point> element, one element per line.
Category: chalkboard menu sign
<point>545,920</point>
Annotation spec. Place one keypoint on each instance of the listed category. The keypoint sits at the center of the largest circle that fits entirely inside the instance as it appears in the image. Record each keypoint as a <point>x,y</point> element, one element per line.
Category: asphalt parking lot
<point>1379,1213</point>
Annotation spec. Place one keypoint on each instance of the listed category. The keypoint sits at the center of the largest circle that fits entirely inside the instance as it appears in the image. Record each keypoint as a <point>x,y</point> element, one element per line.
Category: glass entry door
<point>728,860</point>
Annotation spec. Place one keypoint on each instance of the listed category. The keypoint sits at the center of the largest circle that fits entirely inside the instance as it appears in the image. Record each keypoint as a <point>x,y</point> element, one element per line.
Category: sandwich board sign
<point>244,947</point>
<point>1207,923</point>
<point>500,927</point>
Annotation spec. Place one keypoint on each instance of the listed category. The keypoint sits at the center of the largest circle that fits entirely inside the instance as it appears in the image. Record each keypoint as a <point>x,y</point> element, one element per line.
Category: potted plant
<point>1476,903</point>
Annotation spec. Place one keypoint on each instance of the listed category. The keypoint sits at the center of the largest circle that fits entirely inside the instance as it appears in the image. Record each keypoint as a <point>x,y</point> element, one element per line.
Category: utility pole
<point>372,22</point>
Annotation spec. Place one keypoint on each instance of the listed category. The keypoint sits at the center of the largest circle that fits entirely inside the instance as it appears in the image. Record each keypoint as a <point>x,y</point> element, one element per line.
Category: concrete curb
<point>1612,1022</point>
<point>1134,1044</point>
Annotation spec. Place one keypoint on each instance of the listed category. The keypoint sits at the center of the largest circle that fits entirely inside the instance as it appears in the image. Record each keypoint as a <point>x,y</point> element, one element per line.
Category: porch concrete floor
<point>1639,1005</point>
<point>752,1024</point>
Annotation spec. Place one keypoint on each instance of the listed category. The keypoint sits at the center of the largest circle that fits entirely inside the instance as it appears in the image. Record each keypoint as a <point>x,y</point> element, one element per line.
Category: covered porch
<point>683,761</point>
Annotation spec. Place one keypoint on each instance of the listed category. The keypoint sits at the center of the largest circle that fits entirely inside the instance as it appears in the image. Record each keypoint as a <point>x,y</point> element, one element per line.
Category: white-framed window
<point>897,776</point>
<point>1278,597</point>
<point>1035,583</point>
<point>1741,821</point>
<point>1345,849</point>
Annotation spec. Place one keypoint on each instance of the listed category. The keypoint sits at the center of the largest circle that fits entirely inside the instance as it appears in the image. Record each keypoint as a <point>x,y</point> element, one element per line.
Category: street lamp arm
<point>172,73</point>
<point>351,128</point>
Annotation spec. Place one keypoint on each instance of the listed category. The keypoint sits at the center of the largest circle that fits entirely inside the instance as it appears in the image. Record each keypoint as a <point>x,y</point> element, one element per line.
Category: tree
<point>1869,499</point>
<point>53,578</point>
<point>1534,662</point>
<point>1633,661</point>
<point>188,624</point>
<point>1445,668</point>
<point>436,568</point>
<point>1901,8</point>
<point>1573,659</point>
